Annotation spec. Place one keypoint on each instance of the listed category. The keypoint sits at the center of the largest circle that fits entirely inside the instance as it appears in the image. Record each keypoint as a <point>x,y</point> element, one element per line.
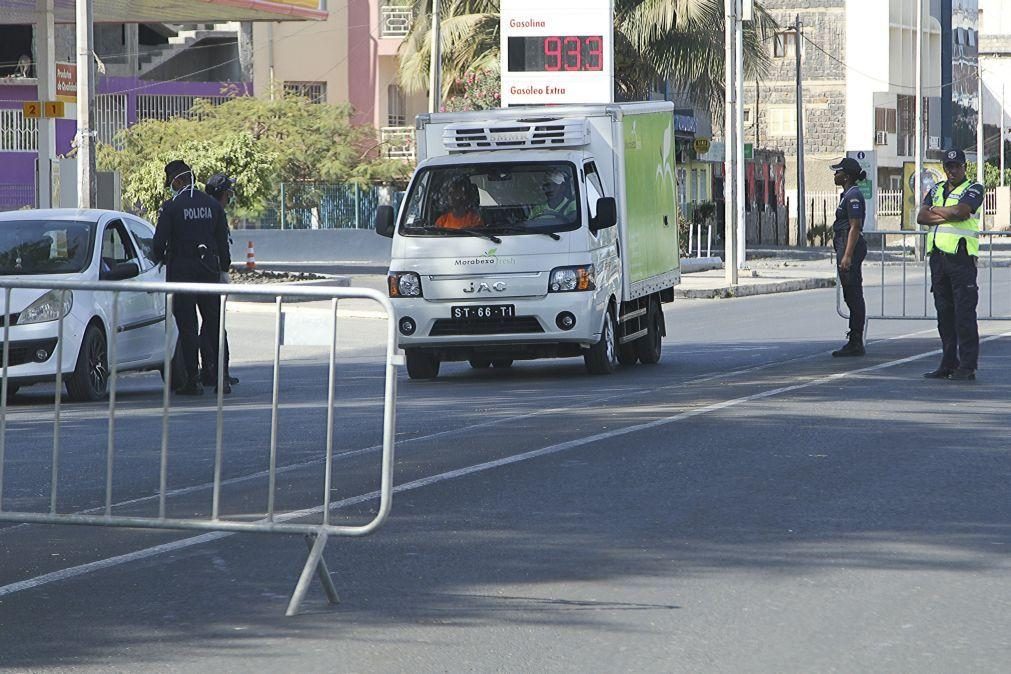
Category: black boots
<point>854,347</point>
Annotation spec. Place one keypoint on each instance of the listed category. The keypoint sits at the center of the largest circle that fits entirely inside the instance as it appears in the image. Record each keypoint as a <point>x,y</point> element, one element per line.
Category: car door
<point>151,327</point>
<point>135,309</point>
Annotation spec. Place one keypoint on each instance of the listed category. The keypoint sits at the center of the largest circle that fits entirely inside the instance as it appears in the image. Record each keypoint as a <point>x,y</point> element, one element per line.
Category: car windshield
<point>493,200</point>
<point>44,247</point>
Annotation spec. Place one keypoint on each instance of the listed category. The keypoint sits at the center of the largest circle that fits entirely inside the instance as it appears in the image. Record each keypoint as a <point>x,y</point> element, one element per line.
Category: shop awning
<point>169,11</point>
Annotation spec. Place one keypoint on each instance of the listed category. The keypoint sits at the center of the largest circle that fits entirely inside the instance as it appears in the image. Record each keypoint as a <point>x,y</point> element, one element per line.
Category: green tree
<point>655,40</point>
<point>260,142</point>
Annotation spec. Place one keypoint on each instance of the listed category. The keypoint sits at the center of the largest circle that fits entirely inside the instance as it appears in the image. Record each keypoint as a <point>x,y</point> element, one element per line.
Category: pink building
<point>349,58</point>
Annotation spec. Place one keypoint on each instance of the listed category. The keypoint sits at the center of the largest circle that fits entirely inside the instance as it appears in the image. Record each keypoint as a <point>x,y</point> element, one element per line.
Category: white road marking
<point>146,553</point>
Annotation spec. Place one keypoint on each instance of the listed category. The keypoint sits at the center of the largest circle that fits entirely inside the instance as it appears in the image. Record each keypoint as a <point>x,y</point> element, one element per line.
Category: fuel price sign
<point>557,52</point>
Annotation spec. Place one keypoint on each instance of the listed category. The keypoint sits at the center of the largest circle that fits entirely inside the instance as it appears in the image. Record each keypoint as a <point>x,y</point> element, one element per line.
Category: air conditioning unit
<point>881,138</point>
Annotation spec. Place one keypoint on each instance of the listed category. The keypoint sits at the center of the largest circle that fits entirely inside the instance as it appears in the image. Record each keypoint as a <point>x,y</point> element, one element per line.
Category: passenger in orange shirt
<point>462,213</point>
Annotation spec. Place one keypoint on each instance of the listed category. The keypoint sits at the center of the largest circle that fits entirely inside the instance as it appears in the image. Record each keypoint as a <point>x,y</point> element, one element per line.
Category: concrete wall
<point>312,245</point>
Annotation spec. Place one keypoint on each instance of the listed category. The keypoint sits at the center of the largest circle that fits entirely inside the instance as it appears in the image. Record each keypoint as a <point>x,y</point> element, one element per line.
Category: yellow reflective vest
<point>945,237</point>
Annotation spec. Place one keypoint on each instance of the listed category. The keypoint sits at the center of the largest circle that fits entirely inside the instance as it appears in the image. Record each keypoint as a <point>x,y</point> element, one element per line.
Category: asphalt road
<point>749,504</point>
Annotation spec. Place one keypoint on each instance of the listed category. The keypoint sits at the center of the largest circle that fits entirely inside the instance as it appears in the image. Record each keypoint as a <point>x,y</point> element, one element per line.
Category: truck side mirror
<point>607,214</point>
<point>384,221</point>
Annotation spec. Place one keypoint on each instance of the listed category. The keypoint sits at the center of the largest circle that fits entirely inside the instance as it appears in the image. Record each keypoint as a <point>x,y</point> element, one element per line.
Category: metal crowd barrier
<point>908,296</point>
<point>273,522</point>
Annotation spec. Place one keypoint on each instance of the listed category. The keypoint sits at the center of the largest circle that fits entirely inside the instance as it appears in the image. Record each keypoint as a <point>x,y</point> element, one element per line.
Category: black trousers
<point>852,282</point>
<point>184,308</point>
<point>209,351</point>
<point>953,283</point>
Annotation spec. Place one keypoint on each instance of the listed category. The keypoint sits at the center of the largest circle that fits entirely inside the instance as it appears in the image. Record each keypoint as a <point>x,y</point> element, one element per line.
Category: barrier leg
<point>316,564</point>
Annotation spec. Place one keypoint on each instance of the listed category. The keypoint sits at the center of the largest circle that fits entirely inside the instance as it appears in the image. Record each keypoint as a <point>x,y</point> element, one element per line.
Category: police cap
<point>954,156</point>
<point>219,183</point>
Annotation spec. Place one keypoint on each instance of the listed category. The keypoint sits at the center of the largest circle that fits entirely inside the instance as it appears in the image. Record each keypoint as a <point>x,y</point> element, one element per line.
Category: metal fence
<point>903,275</point>
<point>208,516</point>
<point>17,132</point>
<point>327,206</point>
<point>14,196</point>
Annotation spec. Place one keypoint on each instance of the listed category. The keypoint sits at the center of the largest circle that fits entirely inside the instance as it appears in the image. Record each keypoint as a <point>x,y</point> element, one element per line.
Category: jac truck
<point>536,232</point>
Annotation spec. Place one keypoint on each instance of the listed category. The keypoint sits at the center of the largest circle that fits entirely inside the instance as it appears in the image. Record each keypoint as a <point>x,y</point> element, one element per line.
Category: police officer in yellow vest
<point>949,213</point>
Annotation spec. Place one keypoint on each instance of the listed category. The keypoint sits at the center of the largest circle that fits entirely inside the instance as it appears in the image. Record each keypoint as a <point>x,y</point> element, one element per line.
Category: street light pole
<point>739,196</point>
<point>1002,134</point>
<point>730,146</point>
<point>801,194</point>
<point>435,66</point>
<point>979,117</point>
<point>85,105</point>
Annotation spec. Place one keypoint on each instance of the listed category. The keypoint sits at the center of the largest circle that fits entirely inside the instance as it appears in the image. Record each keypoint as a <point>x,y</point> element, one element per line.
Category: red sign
<point>66,82</point>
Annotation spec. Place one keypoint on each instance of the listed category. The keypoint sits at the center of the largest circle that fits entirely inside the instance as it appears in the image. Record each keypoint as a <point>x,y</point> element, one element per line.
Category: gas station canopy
<point>168,11</point>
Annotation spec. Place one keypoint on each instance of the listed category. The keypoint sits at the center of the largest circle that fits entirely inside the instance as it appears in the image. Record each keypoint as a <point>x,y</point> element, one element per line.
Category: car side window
<point>116,245</point>
<point>594,188</point>
<point>144,236</point>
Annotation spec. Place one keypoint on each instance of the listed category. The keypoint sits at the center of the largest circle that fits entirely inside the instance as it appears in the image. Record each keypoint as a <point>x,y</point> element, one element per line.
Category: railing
<point>16,196</point>
<point>110,117</point>
<point>889,202</point>
<point>395,20</point>
<point>225,507</point>
<point>990,201</point>
<point>166,106</point>
<point>314,205</point>
<point>398,142</point>
<point>904,292</point>
<point>17,132</point>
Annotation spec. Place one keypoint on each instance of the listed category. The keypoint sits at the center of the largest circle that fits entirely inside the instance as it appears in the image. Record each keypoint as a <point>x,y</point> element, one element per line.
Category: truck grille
<point>447,327</point>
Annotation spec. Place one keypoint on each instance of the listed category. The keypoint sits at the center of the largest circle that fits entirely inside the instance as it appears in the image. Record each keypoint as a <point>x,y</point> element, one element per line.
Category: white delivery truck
<point>536,233</point>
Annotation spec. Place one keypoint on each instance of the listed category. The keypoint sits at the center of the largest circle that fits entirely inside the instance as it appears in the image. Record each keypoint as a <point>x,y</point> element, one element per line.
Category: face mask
<point>189,187</point>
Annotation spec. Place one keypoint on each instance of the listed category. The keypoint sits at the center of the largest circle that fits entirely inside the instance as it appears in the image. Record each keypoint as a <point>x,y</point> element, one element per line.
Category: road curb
<point>334,281</point>
<point>751,289</point>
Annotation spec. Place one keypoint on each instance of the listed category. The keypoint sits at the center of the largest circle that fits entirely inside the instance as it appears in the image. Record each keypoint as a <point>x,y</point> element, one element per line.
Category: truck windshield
<point>44,247</point>
<point>493,199</point>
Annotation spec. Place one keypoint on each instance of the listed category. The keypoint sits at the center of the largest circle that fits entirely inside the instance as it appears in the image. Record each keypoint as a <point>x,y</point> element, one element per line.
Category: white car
<point>80,245</point>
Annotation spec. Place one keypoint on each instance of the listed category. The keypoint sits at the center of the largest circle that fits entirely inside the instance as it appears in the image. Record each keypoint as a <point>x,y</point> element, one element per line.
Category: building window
<point>396,106</point>
<point>884,120</point>
<point>314,91</point>
<point>749,115</point>
<point>784,44</point>
<point>782,121</point>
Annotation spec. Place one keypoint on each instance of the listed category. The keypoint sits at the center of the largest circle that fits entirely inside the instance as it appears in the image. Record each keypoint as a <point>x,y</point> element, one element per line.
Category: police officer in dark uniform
<point>851,249</point>
<point>191,239</point>
<point>949,211</point>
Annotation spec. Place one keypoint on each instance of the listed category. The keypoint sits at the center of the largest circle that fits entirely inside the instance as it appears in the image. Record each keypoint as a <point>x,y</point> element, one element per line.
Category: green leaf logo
<point>490,252</point>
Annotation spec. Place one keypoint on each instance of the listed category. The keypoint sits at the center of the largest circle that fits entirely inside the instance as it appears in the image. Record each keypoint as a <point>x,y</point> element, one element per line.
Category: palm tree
<point>655,40</point>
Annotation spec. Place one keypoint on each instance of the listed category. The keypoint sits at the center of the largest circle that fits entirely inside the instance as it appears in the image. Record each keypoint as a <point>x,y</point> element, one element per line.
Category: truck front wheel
<point>602,358</point>
<point>421,365</point>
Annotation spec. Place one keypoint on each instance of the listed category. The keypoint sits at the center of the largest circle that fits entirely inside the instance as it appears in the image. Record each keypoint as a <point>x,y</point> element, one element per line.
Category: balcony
<point>398,142</point>
<point>395,19</point>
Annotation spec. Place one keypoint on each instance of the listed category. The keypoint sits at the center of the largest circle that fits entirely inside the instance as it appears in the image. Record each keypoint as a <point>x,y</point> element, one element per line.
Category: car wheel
<point>648,346</point>
<point>90,380</point>
<point>421,365</point>
<point>602,358</point>
<point>502,362</point>
<point>480,363</point>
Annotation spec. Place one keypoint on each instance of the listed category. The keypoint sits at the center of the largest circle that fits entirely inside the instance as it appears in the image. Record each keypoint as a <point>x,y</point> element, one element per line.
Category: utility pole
<point>85,105</point>
<point>801,195</point>
<point>435,67</point>
<point>979,117</point>
<point>739,195</point>
<point>1002,134</point>
<point>918,124</point>
<point>730,145</point>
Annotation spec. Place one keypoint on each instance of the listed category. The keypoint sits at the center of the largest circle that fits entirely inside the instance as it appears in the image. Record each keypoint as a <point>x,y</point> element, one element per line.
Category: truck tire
<point>421,365</point>
<point>480,363</point>
<point>602,357</point>
<point>502,363</point>
<point>90,380</point>
<point>648,346</point>
<point>628,354</point>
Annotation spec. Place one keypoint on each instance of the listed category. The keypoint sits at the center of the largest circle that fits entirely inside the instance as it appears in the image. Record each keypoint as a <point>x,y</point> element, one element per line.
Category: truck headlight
<point>404,284</point>
<point>52,306</point>
<point>572,279</point>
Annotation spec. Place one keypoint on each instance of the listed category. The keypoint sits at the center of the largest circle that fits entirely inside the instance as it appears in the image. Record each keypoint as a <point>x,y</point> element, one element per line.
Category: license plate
<point>484,312</point>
